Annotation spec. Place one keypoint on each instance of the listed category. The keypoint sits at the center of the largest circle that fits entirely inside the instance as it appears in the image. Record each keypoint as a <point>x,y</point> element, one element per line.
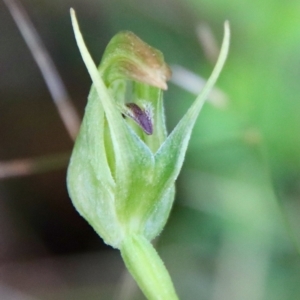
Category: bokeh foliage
<point>234,230</point>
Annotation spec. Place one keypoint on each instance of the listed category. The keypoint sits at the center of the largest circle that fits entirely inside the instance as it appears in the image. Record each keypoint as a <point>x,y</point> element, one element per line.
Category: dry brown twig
<point>59,94</point>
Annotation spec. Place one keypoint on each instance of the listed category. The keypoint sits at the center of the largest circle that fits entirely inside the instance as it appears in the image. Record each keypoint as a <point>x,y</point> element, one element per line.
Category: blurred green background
<point>235,227</point>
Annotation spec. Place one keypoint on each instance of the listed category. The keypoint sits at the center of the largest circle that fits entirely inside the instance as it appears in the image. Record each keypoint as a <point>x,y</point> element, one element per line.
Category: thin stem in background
<point>208,42</point>
<point>23,167</point>
<point>64,105</point>
<point>52,78</point>
<point>7,292</point>
<point>194,84</point>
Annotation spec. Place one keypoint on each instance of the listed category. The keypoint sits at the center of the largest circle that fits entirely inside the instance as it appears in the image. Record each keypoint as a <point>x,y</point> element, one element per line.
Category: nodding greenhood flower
<point>124,165</point>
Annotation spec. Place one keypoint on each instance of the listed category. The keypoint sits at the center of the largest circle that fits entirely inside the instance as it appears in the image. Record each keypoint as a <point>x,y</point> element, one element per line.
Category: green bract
<point>123,167</point>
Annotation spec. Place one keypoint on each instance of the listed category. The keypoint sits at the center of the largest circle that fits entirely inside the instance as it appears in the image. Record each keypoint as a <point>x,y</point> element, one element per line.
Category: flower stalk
<point>122,172</point>
<point>147,268</point>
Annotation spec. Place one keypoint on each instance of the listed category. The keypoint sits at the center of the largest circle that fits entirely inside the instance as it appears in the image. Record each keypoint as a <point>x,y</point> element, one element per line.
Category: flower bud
<point>123,166</point>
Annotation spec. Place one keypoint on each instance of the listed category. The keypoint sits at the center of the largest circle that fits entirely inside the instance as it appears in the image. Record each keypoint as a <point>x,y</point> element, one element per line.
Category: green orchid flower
<point>122,172</point>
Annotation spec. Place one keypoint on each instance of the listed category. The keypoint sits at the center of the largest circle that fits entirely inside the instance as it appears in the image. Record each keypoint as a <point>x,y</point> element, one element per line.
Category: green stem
<point>147,268</point>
